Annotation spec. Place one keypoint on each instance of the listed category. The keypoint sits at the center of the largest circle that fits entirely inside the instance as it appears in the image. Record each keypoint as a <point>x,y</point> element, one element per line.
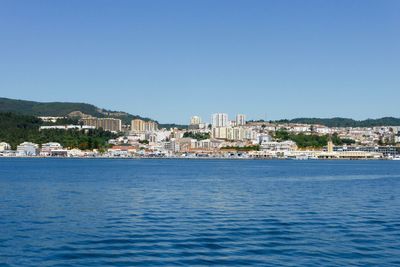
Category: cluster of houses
<point>29,149</point>
<point>222,138</point>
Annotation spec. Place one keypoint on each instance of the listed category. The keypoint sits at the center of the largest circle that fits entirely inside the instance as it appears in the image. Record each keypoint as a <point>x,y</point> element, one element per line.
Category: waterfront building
<point>47,148</point>
<point>75,153</point>
<point>107,124</point>
<point>350,155</point>
<point>4,146</point>
<point>219,120</point>
<point>51,146</point>
<point>172,145</point>
<point>240,119</point>
<point>284,146</point>
<point>7,153</point>
<point>59,153</point>
<point>27,149</point>
<point>384,150</point>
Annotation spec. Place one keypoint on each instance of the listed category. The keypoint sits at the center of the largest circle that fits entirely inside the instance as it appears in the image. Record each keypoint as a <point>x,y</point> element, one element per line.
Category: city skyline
<point>167,61</point>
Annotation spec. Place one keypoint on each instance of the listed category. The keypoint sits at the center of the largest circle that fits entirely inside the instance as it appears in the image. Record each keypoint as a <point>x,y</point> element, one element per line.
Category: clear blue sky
<point>169,60</point>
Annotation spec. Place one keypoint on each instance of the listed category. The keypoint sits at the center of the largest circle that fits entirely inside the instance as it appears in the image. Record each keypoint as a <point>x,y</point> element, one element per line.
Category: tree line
<point>311,140</point>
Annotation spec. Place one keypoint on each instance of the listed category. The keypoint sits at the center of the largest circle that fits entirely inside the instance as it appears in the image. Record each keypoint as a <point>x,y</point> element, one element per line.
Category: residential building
<point>284,146</point>
<point>140,126</point>
<point>219,120</point>
<point>219,132</point>
<point>107,124</point>
<point>27,149</point>
<point>47,148</point>
<point>75,153</point>
<point>150,126</point>
<point>240,119</point>
<point>264,138</point>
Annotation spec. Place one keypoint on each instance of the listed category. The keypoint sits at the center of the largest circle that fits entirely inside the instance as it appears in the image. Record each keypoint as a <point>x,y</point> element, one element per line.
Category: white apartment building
<point>219,132</point>
<point>240,119</point>
<point>284,146</point>
<point>27,149</point>
<point>47,148</point>
<point>264,138</point>
<point>51,146</point>
<point>219,120</point>
<point>234,133</point>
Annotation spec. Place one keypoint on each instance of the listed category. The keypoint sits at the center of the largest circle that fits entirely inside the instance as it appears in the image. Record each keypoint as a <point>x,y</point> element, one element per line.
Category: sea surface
<point>99,212</point>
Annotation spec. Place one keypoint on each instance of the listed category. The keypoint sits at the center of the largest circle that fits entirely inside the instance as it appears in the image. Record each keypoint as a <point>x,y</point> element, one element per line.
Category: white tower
<point>219,120</point>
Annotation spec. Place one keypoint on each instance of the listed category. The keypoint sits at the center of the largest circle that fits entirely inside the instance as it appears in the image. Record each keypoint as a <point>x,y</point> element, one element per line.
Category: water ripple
<point>199,213</point>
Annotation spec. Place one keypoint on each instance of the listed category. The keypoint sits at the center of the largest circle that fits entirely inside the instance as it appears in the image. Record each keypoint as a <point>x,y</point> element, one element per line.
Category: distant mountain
<point>59,109</point>
<point>345,122</point>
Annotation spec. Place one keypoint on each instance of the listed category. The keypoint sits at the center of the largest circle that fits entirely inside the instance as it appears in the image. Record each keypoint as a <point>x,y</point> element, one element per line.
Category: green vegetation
<point>244,148</point>
<point>172,125</point>
<point>15,129</point>
<point>197,136</point>
<point>347,141</point>
<point>310,140</point>
<point>344,122</point>
<point>146,142</point>
<point>61,109</point>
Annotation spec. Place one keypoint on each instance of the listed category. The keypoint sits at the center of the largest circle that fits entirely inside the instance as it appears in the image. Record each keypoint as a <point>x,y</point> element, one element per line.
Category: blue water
<point>73,212</point>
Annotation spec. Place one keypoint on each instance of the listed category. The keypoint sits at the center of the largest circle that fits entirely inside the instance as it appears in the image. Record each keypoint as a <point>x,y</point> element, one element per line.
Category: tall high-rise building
<point>141,126</point>
<point>240,119</point>
<point>219,120</point>
<point>137,125</point>
<point>150,126</point>
<point>195,120</point>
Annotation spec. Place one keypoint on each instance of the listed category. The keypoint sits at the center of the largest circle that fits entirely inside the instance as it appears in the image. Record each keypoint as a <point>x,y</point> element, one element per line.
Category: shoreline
<point>197,158</point>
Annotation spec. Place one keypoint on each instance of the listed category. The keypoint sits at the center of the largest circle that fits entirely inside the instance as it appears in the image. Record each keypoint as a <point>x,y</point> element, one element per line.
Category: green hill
<point>59,109</point>
<point>345,122</point>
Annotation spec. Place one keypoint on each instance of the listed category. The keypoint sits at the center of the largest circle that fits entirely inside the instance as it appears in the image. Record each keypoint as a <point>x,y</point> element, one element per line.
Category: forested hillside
<point>15,129</point>
<point>344,122</point>
<point>61,109</point>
